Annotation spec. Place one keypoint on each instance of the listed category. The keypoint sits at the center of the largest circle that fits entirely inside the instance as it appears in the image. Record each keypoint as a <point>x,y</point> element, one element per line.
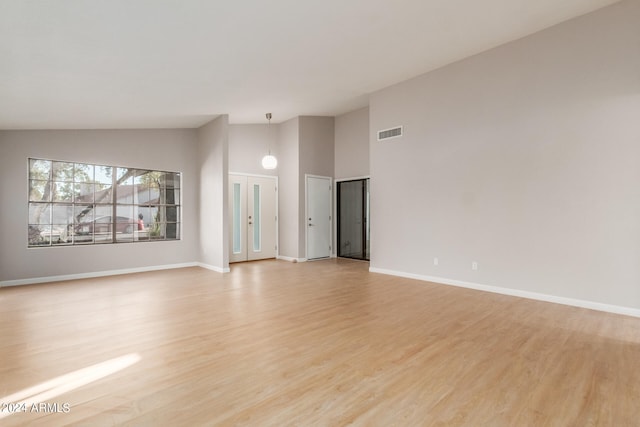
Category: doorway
<point>252,217</point>
<point>318,216</point>
<point>353,219</point>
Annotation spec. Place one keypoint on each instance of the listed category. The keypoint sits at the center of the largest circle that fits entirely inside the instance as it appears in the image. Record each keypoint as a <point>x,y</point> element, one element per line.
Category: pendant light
<point>269,161</point>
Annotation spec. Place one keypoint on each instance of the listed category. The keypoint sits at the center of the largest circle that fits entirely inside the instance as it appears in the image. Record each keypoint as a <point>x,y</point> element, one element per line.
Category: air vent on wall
<point>385,134</point>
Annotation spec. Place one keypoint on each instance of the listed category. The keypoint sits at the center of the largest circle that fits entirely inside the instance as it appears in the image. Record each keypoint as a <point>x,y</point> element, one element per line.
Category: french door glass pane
<point>237,245</point>
<point>256,217</point>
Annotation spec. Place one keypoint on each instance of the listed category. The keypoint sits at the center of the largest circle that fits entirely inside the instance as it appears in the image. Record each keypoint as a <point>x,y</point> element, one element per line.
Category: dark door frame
<point>365,219</point>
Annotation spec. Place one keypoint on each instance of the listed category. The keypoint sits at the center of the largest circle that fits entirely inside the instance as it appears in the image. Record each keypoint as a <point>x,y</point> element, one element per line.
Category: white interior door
<point>261,229</point>
<point>252,217</point>
<point>238,218</point>
<point>318,217</point>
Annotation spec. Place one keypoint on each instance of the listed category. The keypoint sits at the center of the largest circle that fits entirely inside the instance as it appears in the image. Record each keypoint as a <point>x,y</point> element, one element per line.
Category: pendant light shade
<point>269,161</point>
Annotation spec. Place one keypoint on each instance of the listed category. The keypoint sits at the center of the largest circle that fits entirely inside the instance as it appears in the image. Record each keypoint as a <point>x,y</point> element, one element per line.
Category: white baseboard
<point>35,280</point>
<point>291,259</point>
<point>628,311</point>
<point>213,268</point>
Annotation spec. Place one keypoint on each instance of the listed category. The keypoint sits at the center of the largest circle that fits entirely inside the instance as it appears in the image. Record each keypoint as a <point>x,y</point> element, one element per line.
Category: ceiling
<point>72,64</point>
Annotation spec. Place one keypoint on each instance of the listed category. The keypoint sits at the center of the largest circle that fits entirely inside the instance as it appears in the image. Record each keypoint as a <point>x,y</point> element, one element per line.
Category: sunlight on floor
<point>68,382</point>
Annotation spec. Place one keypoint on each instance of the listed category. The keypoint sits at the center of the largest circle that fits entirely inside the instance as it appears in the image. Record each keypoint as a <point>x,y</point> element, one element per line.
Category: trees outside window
<point>79,204</point>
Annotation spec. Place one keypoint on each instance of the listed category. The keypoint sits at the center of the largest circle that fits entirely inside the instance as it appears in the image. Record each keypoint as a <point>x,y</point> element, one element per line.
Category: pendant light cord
<point>269,131</point>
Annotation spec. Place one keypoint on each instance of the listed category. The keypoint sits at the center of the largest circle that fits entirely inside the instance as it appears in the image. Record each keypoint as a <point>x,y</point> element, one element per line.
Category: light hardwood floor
<point>320,343</point>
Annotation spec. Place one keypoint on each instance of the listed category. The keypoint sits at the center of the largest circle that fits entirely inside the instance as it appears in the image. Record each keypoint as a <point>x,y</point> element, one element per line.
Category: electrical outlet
<point>474,265</point>
<point>435,261</point>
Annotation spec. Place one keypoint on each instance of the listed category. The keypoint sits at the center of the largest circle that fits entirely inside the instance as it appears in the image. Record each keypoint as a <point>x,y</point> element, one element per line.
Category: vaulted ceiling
<point>158,64</point>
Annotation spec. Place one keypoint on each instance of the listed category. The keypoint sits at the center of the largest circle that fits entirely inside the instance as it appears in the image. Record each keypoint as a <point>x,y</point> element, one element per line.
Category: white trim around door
<point>318,216</point>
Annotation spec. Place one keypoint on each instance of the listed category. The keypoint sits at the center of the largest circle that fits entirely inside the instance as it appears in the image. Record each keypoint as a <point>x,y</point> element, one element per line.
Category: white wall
<point>213,152</point>
<point>288,174</point>
<point>352,144</point>
<point>305,146</point>
<point>351,153</point>
<point>248,144</point>
<point>524,159</point>
<point>316,141</point>
<point>171,150</point>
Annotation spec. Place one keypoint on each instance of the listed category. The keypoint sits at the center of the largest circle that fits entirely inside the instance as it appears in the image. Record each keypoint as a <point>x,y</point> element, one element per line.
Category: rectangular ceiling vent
<point>385,134</point>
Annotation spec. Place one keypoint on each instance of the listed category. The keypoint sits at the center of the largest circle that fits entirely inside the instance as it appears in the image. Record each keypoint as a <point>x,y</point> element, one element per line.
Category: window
<point>82,204</point>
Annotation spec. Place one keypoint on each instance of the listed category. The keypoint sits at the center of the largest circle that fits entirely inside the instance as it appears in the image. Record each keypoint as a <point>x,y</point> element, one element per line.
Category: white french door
<point>252,217</point>
<point>318,210</point>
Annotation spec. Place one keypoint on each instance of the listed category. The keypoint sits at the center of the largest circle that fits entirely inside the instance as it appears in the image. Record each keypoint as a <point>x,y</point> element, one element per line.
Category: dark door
<point>353,219</point>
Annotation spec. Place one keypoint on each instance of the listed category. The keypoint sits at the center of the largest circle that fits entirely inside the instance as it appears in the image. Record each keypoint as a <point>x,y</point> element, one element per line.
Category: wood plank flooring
<point>319,343</point>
